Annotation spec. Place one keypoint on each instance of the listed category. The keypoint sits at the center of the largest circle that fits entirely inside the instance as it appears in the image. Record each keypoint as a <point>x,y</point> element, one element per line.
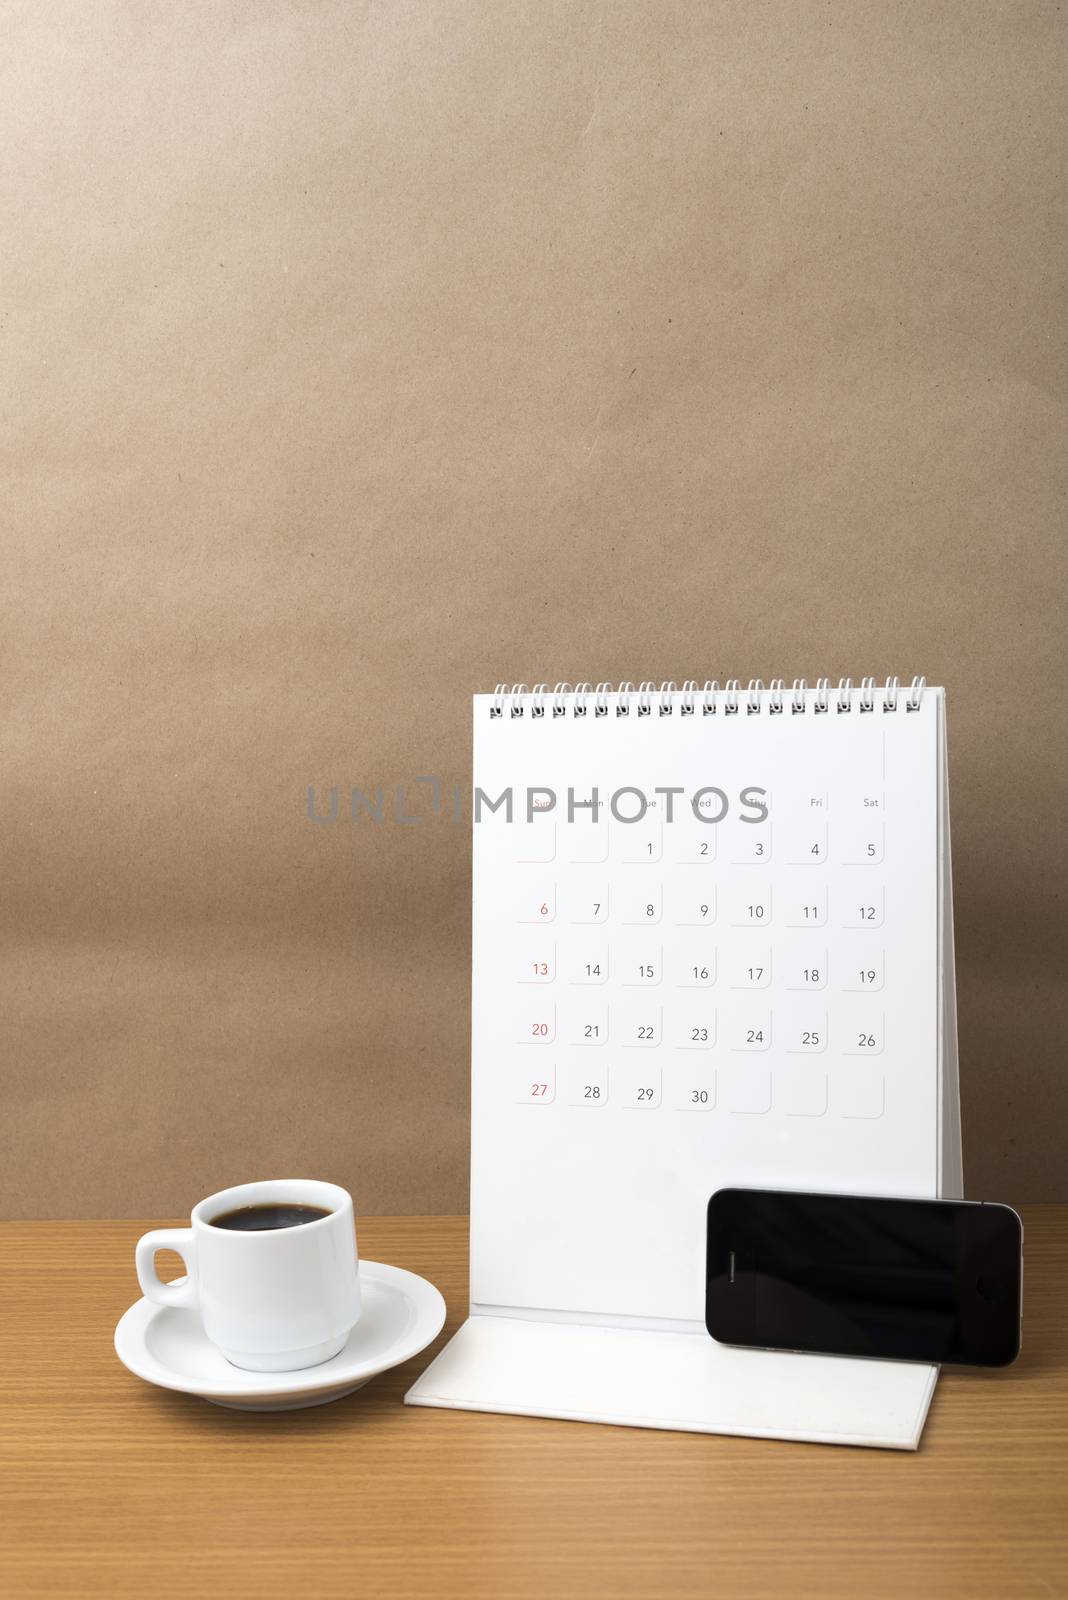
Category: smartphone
<point>859,1275</point>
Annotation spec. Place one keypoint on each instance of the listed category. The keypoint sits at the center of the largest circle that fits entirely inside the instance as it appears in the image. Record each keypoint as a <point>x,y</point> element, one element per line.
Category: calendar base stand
<point>644,1378</point>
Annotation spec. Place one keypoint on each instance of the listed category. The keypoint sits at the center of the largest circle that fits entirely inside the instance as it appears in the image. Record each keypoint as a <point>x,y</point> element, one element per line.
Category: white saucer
<point>402,1314</point>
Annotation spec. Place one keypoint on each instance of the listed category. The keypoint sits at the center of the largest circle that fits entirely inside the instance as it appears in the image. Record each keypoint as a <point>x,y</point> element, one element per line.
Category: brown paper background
<point>359,355</point>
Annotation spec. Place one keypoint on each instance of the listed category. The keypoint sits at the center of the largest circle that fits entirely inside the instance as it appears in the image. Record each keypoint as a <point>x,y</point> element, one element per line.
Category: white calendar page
<point>665,1006</point>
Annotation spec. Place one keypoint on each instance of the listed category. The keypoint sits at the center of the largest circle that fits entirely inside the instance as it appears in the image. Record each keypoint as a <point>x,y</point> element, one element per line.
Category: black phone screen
<point>909,1280</point>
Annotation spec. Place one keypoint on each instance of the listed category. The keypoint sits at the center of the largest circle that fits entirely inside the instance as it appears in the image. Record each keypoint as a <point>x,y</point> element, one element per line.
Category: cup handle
<point>152,1286</point>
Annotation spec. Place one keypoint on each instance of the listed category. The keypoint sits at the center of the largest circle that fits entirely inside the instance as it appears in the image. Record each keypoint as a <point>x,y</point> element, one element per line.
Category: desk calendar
<point>712,945</point>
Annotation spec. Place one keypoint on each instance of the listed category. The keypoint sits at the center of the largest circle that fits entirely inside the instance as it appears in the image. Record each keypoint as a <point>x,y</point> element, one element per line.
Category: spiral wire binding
<point>585,699</point>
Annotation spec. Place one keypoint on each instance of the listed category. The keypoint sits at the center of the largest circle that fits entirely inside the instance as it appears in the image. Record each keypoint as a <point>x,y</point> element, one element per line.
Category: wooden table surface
<point>111,1487</point>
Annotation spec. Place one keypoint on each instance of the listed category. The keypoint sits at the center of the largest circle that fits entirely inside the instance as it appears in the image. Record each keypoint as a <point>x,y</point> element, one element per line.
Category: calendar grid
<point>706,939</point>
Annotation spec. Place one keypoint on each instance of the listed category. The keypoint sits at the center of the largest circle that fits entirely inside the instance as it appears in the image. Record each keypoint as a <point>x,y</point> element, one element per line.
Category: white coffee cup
<point>272,1300</point>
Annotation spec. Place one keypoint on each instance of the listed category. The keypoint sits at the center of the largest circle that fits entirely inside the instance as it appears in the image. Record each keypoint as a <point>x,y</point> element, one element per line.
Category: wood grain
<point>111,1487</point>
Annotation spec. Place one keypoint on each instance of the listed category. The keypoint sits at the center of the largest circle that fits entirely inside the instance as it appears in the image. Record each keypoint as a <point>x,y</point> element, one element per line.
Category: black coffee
<point>273,1214</point>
